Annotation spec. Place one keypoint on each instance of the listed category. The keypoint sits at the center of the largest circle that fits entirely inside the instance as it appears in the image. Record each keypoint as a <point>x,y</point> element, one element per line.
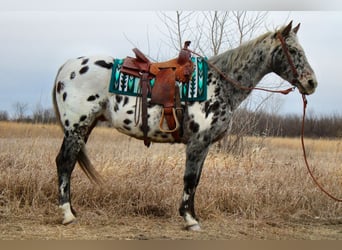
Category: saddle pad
<point>196,90</point>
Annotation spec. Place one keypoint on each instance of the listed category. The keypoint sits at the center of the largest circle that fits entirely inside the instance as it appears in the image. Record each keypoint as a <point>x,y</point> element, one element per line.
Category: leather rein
<point>285,92</point>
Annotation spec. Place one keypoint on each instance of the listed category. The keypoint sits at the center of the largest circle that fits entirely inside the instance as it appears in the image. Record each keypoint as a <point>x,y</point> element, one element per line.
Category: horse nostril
<point>311,83</point>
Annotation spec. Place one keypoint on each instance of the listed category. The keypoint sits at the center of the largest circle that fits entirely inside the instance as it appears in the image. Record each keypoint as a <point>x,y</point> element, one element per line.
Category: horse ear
<point>295,29</point>
<point>287,29</point>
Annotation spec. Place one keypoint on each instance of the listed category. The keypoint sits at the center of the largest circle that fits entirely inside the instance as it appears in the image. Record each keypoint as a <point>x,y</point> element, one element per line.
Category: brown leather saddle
<point>165,91</point>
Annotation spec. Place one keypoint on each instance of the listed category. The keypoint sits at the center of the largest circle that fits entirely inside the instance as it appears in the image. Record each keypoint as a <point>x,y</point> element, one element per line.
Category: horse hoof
<point>68,215</point>
<point>195,227</point>
<point>69,222</point>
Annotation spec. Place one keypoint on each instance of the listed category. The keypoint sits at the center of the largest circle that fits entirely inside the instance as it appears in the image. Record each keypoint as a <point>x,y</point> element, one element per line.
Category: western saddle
<point>165,91</point>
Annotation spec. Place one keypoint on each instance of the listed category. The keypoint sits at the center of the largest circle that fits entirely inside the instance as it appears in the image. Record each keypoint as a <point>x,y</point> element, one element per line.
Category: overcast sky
<point>35,43</point>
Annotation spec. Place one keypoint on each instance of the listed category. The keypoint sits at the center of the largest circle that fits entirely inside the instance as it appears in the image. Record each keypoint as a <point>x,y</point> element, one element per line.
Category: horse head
<point>289,60</point>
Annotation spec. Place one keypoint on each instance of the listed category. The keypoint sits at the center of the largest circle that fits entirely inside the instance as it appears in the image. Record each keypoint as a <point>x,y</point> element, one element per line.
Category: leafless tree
<point>210,31</point>
<point>178,27</point>
<point>43,115</point>
<point>20,110</point>
<point>4,115</point>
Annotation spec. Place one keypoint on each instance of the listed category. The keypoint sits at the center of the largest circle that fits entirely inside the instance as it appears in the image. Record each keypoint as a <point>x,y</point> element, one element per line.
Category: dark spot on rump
<point>85,61</point>
<point>60,86</point>
<point>64,96</point>
<point>84,69</point>
<point>82,118</point>
<point>130,112</point>
<point>97,96</point>
<point>72,75</point>
<point>104,64</point>
<point>127,121</point>
<point>194,127</point>
<point>76,125</point>
<point>67,123</point>
<point>91,98</point>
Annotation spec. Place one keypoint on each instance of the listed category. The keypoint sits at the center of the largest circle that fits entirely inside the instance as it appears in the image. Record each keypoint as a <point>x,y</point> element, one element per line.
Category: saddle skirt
<point>195,90</point>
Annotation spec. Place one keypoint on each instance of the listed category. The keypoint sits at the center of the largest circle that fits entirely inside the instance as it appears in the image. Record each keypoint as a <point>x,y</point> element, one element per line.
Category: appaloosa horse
<point>81,99</point>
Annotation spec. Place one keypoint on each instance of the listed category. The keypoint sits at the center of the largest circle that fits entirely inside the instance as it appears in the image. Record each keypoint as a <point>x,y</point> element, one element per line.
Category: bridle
<point>289,59</point>
<point>295,83</point>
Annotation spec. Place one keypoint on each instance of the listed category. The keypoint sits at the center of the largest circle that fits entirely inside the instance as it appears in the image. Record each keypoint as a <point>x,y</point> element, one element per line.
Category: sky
<point>36,41</point>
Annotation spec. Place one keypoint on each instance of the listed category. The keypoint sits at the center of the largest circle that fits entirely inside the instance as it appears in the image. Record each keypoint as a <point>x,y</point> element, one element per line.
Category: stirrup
<point>162,121</point>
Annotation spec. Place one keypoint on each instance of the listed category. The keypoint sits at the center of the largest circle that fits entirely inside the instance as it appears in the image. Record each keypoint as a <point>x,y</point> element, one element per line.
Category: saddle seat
<point>165,91</point>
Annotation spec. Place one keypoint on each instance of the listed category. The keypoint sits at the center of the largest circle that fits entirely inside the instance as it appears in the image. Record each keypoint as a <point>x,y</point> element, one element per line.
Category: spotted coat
<point>81,98</point>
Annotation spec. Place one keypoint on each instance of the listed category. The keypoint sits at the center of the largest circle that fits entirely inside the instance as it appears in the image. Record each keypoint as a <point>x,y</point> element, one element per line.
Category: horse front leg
<point>196,153</point>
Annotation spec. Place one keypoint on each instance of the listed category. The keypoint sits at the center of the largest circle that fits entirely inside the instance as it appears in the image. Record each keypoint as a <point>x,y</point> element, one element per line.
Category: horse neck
<point>247,64</point>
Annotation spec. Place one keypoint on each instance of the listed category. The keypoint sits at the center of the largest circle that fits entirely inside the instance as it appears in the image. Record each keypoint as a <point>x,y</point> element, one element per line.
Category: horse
<point>81,99</point>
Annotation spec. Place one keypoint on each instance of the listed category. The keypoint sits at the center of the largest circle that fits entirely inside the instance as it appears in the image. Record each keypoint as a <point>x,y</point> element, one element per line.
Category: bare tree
<point>248,23</point>
<point>210,31</point>
<point>216,25</point>
<point>43,115</point>
<point>180,27</point>
<point>4,115</point>
<point>20,110</point>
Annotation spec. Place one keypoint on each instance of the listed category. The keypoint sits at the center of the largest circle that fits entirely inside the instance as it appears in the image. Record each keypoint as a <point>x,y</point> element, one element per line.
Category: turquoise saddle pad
<point>196,90</point>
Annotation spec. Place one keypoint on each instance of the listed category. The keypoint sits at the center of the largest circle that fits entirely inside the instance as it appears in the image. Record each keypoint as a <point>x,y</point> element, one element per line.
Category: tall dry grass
<point>269,181</point>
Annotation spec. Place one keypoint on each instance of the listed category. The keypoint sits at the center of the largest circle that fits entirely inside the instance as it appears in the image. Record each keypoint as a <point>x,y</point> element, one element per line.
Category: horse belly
<point>126,118</point>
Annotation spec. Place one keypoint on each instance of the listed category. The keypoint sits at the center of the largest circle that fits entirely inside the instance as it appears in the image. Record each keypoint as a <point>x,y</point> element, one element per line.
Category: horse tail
<point>82,157</point>
<point>87,167</point>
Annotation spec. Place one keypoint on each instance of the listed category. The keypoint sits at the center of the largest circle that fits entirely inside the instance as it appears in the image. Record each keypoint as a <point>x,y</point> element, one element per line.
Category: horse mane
<point>230,57</point>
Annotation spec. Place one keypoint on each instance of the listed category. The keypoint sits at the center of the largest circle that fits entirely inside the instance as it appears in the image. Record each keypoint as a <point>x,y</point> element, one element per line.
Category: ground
<point>147,228</point>
<point>264,194</point>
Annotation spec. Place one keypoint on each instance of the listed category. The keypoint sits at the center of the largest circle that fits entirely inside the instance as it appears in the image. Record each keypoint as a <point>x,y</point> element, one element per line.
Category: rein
<point>305,102</point>
<point>238,84</point>
<point>284,92</point>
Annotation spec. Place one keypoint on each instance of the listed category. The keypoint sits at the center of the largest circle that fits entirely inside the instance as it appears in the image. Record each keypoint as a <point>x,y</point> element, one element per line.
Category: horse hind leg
<point>65,161</point>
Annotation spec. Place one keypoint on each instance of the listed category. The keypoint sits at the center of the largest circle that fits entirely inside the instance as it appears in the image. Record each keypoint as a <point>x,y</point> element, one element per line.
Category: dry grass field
<point>265,194</point>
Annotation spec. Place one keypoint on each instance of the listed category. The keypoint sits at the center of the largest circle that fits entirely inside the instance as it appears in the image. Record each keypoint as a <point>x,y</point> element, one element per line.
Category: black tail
<point>82,157</point>
<point>87,167</point>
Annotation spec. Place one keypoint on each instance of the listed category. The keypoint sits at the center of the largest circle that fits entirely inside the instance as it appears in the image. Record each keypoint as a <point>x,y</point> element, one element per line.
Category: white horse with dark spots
<point>81,99</point>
